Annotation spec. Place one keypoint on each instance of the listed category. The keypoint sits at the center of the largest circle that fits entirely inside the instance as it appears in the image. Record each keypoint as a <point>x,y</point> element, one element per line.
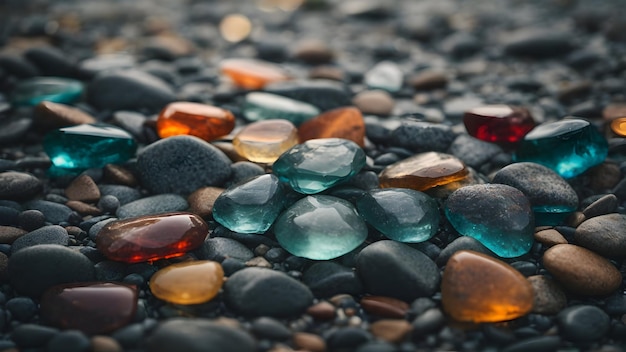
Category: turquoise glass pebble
<point>319,164</point>
<point>32,91</point>
<point>320,227</point>
<point>569,147</point>
<point>264,106</point>
<point>401,214</point>
<point>88,146</point>
<point>252,206</point>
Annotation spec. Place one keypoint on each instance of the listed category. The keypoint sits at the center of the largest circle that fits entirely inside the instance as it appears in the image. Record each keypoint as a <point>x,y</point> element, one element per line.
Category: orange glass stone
<point>252,74</point>
<point>200,120</point>
<point>478,288</point>
<point>151,237</point>
<point>264,141</point>
<point>618,126</point>
<point>93,308</point>
<point>192,282</point>
<point>423,171</point>
<point>346,123</point>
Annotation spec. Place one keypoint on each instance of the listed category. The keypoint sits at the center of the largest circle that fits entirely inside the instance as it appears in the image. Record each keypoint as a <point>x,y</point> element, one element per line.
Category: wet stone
<point>49,114</point>
<point>18,185</point>
<point>346,123</point>
<point>32,91</point>
<point>252,74</point>
<point>423,171</point>
<point>264,141</point>
<point>583,323</point>
<point>151,237</point>
<point>52,234</point>
<point>191,282</point>
<point>93,308</point>
<point>203,121</point>
<point>603,234</point>
<point>403,215</point>
<point>499,216</point>
<point>327,279</point>
<point>264,106</point>
<point>569,147</point>
<point>319,164</point>
<point>502,124</point>
<point>162,203</point>
<point>478,288</point>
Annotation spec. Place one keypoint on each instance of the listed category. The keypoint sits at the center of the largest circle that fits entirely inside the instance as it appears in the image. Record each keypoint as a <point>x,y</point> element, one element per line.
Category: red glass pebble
<point>93,308</point>
<point>252,74</point>
<point>501,124</point>
<point>151,237</point>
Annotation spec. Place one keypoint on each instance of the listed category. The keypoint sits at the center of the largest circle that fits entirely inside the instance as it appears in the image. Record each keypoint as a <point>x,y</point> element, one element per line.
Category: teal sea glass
<point>569,147</point>
<point>88,146</point>
<point>320,227</point>
<point>251,207</point>
<point>264,106</point>
<point>401,214</point>
<point>319,164</point>
<point>32,91</point>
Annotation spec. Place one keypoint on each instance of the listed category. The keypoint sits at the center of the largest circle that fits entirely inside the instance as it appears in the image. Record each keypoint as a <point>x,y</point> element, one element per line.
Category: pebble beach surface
<point>321,175</point>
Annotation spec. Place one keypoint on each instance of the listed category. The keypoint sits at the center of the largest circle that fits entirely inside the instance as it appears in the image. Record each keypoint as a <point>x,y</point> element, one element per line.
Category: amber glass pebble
<point>93,308</point>
<point>618,126</point>
<point>264,141</point>
<point>151,237</point>
<point>478,288</point>
<point>346,123</point>
<point>195,119</point>
<point>252,74</point>
<point>423,171</point>
<point>192,282</point>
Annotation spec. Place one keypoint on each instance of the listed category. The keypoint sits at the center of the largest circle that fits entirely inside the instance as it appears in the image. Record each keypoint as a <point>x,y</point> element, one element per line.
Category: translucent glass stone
<point>618,126</point>
<point>192,282</point>
<point>88,146</point>
<point>250,207</point>
<point>569,147</point>
<point>32,91</point>
<point>252,74</point>
<point>424,171</point>
<point>319,164</point>
<point>385,75</point>
<point>264,141</point>
<point>346,123</point>
<point>264,106</point>
<point>320,227</point>
<point>401,214</point>
<point>502,124</point>
<point>203,121</point>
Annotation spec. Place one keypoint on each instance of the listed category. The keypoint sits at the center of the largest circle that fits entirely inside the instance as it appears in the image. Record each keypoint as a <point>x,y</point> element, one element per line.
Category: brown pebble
<point>259,262</point>
<point>321,311</point>
<point>105,344</point>
<point>201,200</point>
<point>581,270</point>
<point>313,51</point>
<point>309,342</point>
<point>4,267</point>
<point>83,208</point>
<point>74,230</point>
<point>376,102</point>
<point>604,176</point>
<point>550,237</point>
<point>613,111</point>
<point>8,234</point>
<point>429,80</point>
<point>386,307</point>
<point>327,72</point>
<point>603,234</point>
<point>119,175</point>
<point>575,219</point>
<point>572,90</point>
<point>84,189</point>
<point>549,297</point>
<point>49,115</point>
<point>391,330</point>
<point>605,205</point>
<point>228,149</point>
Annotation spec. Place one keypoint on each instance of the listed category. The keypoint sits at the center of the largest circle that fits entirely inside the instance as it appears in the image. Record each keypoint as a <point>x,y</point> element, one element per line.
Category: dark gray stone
<point>69,341</point>
<point>428,322</point>
<point>326,279</point>
<point>52,234</point>
<point>538,43</point>
<point>162,203</point>
<point>22,308</point>
<point>604,234</point>
<point>583,323</point>
<point>604,205</point>
<point>220,248</point>
<point>323,94</point>
<point>32,336</point>
<point>422,136</point>
<point>124,194</point>
<point>55,213</point>
<point>243,170</point>
<point>473,152</point>
<point>18,185</point>
<point>269,328</point>
<point>462,243</point>
<point>535,344</point>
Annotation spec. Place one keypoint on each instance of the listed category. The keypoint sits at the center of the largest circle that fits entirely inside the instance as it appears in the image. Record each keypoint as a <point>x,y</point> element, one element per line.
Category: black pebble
<point>31,220</point>
<point>69,341</point>
<point>326,279</point>
<point>583,323</point>
<point>22,308</point>
<point>32,336</point>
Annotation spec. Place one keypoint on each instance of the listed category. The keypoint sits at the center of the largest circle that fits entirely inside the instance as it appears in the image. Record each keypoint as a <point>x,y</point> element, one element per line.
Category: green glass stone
<point>32,91</point>
<point>264,106</point>
<point>569,147</point>
<point>320,227</point>
<point>401,214</point>
<point>88,146</point>
<point>319,164</point>
<point>252,206</point>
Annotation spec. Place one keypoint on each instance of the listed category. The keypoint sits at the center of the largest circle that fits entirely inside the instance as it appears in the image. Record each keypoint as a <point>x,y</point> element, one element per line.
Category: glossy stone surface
<point>618,126</point>
<point>191,282</point>
<point>203,121</point>
<point>32,91</point>
<point>502,124</point>
<point>319,164</point>
<point>320,227</point>
<point>498,216</point>
<point>250,207</point>
<point>346,123</point>
<point>252,74</point>
<point>569,147</point>
<point>264,106</point>
<point>88,146</point>
<point>423,171</point>
<point>151,237</point>
<point>481,289</point>
<point>401,214</point>
<point>93,307</point>
<point>264,141</point>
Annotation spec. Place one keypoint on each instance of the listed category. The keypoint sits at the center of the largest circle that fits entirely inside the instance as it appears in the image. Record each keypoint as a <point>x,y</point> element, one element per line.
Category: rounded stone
<point>69,341</point>
<point>158,204</point>
<point>345,122</point>
<point>376,102</point>
<point>549,297</point>
<point>220,248</point>
<point>192,282</point>
<point>201,201</point>
<point>462,243</point>
<point>581,270</point>
<point>203,121</point>
<point>83,188</point>
<point>18,185</point>
<point>52,234</point>
<point>263,106</point>
<point>48,114</point>
<point>252,74</point>
<point>181,164</point>
<point>264,141</point>
<point>423,171</point>
<point>605,205</point>
<point>327,279</point>
<point>583,323</point>
<point>604,234</point>
<point>422,136</point>
<point>265,292</point>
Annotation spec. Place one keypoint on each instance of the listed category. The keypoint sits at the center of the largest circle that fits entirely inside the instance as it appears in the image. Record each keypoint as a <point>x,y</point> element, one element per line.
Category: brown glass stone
<point>93,308</point>
<point>478,288</point>
<point>423,171</point>
<point>618,126</point>
<point>386,307</point>
<point>252,74</point>
<point>346,123</point>
<point>203,121</point>
<point>49,115</point>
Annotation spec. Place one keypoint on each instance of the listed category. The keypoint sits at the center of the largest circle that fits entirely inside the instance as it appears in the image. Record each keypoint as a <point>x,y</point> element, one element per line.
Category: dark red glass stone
<point>502,124</point>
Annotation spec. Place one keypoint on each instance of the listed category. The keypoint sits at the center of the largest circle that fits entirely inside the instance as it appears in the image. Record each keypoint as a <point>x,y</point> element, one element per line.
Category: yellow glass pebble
<point>264,141</point>
<point>235,27</point>
<point>618,126</point>
<point>192,282</point>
